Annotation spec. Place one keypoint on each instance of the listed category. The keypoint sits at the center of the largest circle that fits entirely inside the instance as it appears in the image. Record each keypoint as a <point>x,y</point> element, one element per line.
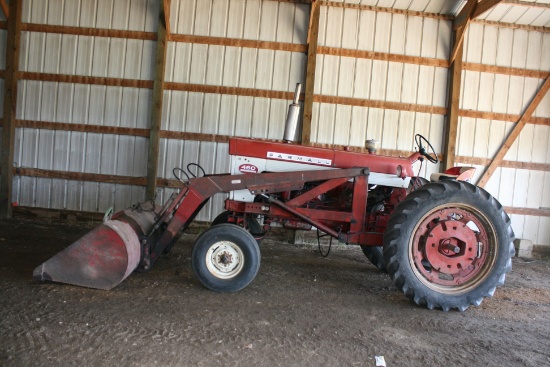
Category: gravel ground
<point>301,310</point>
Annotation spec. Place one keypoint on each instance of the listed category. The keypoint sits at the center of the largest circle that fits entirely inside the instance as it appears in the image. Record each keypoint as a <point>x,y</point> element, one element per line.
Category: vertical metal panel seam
<point>97,193</point>
<point>203,97</point>
<point>226,30</point>
<point>273,59</point>
<point>402,75</point>
<point>337,71</point>
<point>373,38</point>
<point>321,79</point>
<point>479,87</point>
<point>112,188</point>
<point>238,77</point>
<point>67,137</point>
<point>256,72</point>
<point>354,109</point>
<point>70,156</point>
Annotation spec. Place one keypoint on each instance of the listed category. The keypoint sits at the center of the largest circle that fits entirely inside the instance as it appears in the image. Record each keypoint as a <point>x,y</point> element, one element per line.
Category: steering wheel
<point>418,139</point>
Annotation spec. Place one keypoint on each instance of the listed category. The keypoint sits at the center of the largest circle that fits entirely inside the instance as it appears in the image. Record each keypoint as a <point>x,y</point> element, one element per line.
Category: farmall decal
<point>248,168</point>
<point>299,158</point>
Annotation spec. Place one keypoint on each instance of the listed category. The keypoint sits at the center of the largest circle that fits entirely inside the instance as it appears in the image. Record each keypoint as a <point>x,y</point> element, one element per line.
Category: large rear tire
<point>226,258</point>
<point>448,245</point>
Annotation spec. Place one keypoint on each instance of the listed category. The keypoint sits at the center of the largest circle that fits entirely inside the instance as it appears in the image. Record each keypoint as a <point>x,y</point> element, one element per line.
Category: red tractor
<point>446,243</point>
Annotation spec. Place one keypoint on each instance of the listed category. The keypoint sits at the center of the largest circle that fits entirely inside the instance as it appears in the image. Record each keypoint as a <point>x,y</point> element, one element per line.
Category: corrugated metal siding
<point>380,80</point>
<point>519,14</point>
<point>232,67</point>
<point>84,104</point>
<point>489,92</point>
<point>428,6</point>
<point>232,115</point>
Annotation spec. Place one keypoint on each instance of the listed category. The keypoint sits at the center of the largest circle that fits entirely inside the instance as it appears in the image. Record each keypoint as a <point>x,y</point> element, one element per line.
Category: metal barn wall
<point>81,103</point>
<point>86,87</point>
<point>189,110</point>
<point>70,85</point>
<point>509,94</point>
<point>380,80</point>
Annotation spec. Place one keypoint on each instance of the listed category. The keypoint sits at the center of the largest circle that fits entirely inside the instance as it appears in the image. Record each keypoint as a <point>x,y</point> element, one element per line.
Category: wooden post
<point>514,133</point>
<point>10,107</point>
<point>313,36</point>
<point>158,94</point>
<point>5,9</point>
<point>453,103</point>
<point>460,24</point>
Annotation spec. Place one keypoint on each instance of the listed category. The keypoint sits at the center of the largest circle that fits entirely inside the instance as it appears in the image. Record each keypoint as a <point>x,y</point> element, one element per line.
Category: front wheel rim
<point>453,249</point>
<point>224,260</point>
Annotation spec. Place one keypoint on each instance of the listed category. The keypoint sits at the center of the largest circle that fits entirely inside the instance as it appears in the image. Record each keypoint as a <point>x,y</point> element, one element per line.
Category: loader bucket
<point>104,257</point>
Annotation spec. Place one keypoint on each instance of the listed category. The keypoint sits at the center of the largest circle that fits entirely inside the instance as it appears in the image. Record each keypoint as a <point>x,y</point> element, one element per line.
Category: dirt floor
<point>301,310</point>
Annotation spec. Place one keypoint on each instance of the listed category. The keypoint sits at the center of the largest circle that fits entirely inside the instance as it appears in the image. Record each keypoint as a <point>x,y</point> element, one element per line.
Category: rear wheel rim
<point>224,260</point>
<point>453,248</point>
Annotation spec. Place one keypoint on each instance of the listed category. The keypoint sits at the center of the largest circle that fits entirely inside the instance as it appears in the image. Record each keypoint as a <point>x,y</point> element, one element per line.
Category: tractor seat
<point>454,173</point>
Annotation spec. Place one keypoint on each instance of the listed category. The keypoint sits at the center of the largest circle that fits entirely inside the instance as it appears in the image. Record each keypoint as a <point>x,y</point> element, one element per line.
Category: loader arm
<point>136,237</point>
<point>199,190</point>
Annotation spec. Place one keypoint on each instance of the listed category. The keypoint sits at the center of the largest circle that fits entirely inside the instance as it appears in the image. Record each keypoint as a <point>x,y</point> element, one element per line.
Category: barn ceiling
<point>533,13</point>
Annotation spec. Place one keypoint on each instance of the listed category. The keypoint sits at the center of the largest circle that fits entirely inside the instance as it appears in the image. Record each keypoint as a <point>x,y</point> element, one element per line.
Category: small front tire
<point>249,223</point>
<point>226,258</point>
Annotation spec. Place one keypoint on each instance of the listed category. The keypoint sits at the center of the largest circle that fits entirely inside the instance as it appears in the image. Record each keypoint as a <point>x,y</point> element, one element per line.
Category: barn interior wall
<point>76,103</point>
<point>381,80</point>
<point>85,100</point>
<point>508,94</point>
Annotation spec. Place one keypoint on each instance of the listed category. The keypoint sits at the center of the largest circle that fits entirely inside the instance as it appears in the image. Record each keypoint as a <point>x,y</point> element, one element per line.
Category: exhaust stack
<point>291,126</point>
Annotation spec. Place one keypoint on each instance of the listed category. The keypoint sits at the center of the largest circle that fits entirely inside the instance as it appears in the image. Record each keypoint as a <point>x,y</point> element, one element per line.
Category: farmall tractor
<point>446,243</point>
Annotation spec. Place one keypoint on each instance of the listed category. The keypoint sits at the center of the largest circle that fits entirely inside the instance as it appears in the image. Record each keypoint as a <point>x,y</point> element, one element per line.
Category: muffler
<point>291,126</point>
<point>105,256</point>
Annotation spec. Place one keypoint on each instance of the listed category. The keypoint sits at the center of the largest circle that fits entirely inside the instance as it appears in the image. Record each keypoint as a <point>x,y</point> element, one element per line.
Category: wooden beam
<point>10,107</point>
<point>502,117</point>
<point>383,56</point>
<point>525,27</point>
<point>460,24</point>
<point>80,176</point>
<point>156,110</point>
<point>493,69</point>
<point>80,79</point>
<point>92,177</point>
<point>529,4</point>
<point>167,4</point>
<point>471,10</point>
<point>312,39</point>
<point>484,6</point>
<point>92,32</point>
<point>238,42</point>
<point>234,91</point>
<point>514,133</point>
<point>387,105</point>
<point>465,14</point>
<point>506,164</point>
<point>5,8</point>
<point>85,128</point>
<point>453,103</point>
<point>527,211</point>
<point>381,9</point>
